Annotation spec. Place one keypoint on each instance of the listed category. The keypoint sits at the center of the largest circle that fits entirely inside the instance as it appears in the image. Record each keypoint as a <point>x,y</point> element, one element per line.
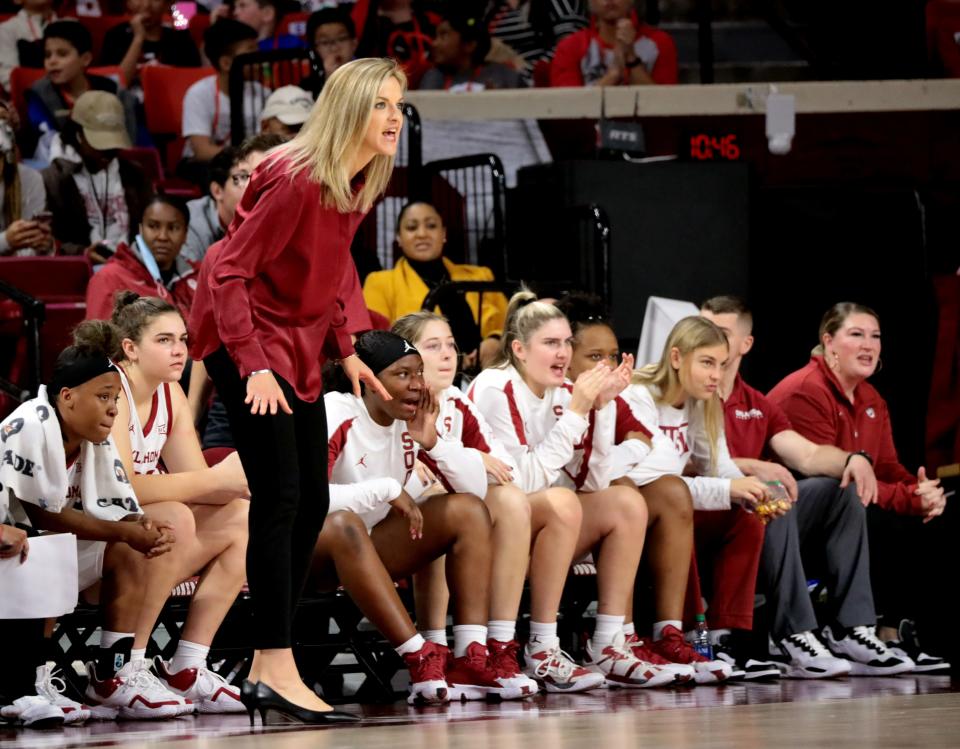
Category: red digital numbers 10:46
<point>710,148</point>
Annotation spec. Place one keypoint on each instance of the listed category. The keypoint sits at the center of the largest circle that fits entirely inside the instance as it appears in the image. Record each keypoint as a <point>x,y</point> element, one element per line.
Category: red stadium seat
<point>198,24</point>
<point>22,79</point>
<point>148,159</point>
<point>60,282</point>
<point>164,87</point>
<point>98,27</point>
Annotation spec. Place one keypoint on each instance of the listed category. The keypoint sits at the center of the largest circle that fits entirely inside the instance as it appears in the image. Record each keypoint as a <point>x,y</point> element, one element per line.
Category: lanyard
<point>102,205</point>
<point>33,29</point>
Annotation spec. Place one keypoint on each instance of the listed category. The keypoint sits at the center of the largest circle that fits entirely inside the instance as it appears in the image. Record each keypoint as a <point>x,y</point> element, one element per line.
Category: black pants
<point>285,459</point>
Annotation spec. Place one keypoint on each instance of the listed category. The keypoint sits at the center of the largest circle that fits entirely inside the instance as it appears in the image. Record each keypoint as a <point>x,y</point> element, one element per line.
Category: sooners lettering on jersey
<point>147,439</point>
<point>677,435</point>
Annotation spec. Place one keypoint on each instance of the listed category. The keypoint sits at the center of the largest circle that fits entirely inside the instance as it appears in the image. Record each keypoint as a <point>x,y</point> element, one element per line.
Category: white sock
<point>464,635</point>
<point>501,630</point>
<point>109,639</point>
<point>716,634</point>
<point>138,655</point>
<point>607,627</point>
<point>412,645</point>
<point>543,636</point>
<point>189,655</point>
<point>628,629</point>
<point>439,636</point>
<point>658,627</point>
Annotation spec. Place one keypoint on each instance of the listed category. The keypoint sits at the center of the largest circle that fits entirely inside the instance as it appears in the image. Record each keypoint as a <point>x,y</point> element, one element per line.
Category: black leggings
<point>285,459</point>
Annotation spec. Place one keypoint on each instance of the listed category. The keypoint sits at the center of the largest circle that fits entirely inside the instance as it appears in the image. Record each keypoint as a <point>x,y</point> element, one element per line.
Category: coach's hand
<point>264,395</point>
<point>356,370</point>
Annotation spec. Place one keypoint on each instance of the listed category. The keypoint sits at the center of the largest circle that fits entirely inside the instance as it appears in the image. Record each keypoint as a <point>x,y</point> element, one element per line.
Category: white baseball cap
<point>289,104</point>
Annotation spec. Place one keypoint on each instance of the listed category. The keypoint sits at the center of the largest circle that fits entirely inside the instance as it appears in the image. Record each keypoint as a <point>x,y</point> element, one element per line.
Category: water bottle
<point>701,638</point>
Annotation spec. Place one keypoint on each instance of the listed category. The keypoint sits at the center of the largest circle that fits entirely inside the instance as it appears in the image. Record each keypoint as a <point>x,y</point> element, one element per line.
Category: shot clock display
<point>710,147</point>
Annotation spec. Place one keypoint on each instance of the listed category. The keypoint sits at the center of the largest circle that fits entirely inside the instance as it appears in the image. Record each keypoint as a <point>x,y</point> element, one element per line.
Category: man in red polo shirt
<point>826,530</point>
<point>617,50</point>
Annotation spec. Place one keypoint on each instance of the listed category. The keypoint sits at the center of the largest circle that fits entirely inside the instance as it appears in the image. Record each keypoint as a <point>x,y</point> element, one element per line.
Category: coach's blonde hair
<point>525,316</point>
<point>688,335</point>
<point>411,326</point>
<point>334,132</point>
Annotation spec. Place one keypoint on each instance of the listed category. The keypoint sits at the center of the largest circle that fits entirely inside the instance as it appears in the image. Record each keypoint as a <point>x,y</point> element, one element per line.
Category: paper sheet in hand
<point>44,586</point>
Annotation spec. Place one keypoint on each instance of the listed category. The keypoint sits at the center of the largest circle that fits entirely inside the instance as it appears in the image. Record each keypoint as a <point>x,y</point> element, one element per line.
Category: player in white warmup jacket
<point>383,525</point>
<point>678,398</point>
<point>561,437</point>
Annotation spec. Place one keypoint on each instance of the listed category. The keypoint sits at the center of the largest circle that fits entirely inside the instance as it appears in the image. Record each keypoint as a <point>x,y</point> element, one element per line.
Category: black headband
<point>78,371</point>
<point>388,349</point>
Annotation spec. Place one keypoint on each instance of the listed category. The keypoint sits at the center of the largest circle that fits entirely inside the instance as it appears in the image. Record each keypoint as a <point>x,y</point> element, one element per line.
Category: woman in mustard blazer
<point>400,291</point>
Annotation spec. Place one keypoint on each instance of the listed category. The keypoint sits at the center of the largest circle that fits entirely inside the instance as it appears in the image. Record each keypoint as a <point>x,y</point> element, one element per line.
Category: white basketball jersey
<point>147,439</point>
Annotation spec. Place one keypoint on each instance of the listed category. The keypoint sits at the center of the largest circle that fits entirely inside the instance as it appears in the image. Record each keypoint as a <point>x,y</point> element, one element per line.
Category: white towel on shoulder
<point>33,466</point>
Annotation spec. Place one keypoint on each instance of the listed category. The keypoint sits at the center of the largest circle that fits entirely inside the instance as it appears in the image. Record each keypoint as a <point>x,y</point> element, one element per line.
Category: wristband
<point>862,454</point>
<point>633,63</point>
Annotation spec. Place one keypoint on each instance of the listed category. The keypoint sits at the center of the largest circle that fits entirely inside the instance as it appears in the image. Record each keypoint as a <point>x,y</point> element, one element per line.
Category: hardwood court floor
<point>890,712</point>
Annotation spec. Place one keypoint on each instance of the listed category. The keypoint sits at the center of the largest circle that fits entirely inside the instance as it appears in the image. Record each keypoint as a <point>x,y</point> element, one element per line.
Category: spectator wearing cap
<point>459,51</point>
<point>96,202</point>
<point>21,38</point>
<point>67,55</point>
<point>285,111</point>
<point>617,50</point>
<point>264,16</point>
<point>144,40</point>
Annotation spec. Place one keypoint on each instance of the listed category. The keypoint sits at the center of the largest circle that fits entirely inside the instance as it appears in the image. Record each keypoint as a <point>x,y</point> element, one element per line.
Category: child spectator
<point>206,105</point>
<point>66,56</point>
<point>151,264</point>
<point>264,16</point>
<point>144,40</point>
<point>21,38</point>
<point>97,201</point>
<point>617,50</point>
<point>285,111</point>
<point>459,50</point>
<point>333,36</point>
<point>399,29</point>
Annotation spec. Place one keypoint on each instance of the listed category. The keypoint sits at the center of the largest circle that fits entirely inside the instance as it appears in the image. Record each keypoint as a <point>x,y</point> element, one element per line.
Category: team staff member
<point>273,303</point>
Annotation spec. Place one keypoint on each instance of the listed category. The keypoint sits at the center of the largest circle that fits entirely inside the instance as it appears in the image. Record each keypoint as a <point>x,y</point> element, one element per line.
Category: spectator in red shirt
<point>617,50</point>
<point>829,401</point>
<point>826,530</point>
<point>151,265</point>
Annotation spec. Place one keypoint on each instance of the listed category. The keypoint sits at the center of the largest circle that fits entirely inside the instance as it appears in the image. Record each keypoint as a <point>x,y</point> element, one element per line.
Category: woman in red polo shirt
<point>830,402</point>
<point>267,317</point>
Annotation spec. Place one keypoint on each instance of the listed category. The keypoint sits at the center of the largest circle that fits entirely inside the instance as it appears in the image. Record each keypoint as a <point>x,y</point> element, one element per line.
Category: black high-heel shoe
<point>248,696</point>
<point>276,710</point>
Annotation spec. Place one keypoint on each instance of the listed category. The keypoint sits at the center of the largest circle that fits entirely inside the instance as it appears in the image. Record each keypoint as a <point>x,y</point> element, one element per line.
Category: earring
<point>879,365</point>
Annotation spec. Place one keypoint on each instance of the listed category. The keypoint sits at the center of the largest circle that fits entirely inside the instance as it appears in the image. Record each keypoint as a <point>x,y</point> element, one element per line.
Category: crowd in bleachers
<point>503,441</point>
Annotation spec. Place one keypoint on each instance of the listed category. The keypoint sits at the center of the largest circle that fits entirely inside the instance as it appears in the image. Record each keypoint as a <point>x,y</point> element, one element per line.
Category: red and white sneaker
<point>52,688</point>
<point>675,649</point>
<point>556,671</point>
<point>206,689</point>
<point>682,672</point>
<point>135,693</point>
<point>428,680</point>
<point>473,677</point>
<point>503,660</point>
<point>621,668</point>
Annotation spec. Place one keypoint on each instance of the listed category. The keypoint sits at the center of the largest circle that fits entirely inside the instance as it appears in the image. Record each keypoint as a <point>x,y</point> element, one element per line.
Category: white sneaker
<point>135,693</point>
<point>867,654</point>
<point>51,688</point>
<point>206,689</point>
<point>621,668</point>
<point>807,658</point>
<point>556,671</point>
<point>34,711</point>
